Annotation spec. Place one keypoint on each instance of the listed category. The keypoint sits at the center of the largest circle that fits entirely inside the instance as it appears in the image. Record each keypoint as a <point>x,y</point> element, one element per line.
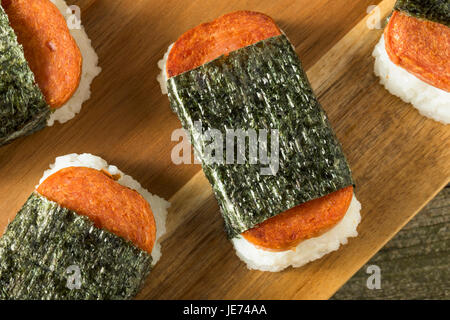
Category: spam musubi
<point>46,68</point>
<point>241,73</point>
<point>88,231</point>
<point>412,57</point>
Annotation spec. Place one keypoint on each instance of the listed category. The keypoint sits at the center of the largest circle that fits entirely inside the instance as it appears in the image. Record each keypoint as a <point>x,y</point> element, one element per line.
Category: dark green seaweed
<point>262,86</point>
<point>23,109</point>
<point>44,240</point>
<point>433,10</point>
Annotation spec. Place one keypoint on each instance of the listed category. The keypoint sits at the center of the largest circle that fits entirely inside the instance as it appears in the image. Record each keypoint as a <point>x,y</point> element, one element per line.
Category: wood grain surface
<point>415,263</point>
<point>399,158</point>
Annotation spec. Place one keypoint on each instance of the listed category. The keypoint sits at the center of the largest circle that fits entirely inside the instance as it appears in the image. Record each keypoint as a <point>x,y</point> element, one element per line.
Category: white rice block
<point>159,205</point>
<point>431,102</point>
<point>90,70</point>
<point>307,251</point>
<point>162,77</point>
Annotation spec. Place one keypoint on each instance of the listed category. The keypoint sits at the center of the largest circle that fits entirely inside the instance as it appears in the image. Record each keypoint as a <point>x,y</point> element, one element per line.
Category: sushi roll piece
<point>240,72</point>
<point>88,231</point>
<point>412,57</point>
<point>46,69</point>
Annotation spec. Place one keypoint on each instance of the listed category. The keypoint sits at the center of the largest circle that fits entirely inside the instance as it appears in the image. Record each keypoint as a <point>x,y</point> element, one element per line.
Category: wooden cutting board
<point>400,159</point>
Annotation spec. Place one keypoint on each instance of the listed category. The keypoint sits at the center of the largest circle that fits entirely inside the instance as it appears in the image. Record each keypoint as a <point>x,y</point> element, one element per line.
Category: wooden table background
<point>415,264</point>
<point>399,158</point>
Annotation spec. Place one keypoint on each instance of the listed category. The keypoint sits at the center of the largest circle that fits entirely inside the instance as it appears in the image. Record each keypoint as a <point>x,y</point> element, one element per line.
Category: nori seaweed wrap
<point>261,86</point>
<point>81,235</point>
<point>49,252</point>
<point>23,109</point>
<point>412,56</point>
<point>44,76</point>
<point>432,10</point>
